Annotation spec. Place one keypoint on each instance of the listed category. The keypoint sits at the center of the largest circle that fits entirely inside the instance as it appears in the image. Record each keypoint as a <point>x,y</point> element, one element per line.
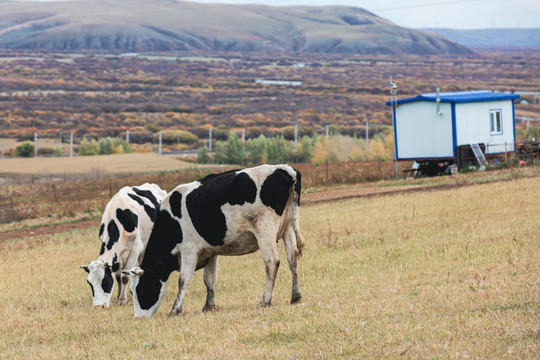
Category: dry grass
<point>109,164</point>
<point>447,274</point>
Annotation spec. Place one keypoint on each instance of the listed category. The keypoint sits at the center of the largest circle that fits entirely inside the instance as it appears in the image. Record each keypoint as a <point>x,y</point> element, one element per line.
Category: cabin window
<point>495,120</point>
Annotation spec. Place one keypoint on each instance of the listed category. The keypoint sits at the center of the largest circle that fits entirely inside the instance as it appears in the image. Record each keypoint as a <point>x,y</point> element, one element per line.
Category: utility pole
<point>367,132</point>
<point>393,103</point>
<point>244,141</point>
<point>159,147</point>
<point>70,144</point>
<point>127,137</point>
<point>209,139</point>
<point>295,136</point>
<point>35,144</point>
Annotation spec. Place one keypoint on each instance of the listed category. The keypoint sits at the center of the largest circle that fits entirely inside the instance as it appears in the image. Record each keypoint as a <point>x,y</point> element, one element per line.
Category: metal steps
<point>479,156</point>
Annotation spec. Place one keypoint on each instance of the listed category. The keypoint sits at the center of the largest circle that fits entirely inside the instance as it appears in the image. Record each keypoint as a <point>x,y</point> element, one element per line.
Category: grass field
<point>443,274</point>
<point>109,164</point>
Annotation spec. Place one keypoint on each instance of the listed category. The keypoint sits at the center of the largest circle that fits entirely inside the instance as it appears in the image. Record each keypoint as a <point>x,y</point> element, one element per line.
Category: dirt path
<point>306,200</point>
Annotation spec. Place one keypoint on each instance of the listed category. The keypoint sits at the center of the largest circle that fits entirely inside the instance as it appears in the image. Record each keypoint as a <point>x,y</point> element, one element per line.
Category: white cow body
<point>126,226</point>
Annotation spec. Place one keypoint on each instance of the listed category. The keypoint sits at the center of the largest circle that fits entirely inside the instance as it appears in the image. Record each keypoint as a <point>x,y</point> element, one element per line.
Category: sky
<point>454,14</point>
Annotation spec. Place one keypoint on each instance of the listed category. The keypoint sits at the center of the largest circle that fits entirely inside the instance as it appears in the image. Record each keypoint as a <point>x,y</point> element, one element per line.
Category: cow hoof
<point>296,300</point>
<point>208,308</point>
<point>121,302</point>
<point>264,305</point>
<point>174,313</point>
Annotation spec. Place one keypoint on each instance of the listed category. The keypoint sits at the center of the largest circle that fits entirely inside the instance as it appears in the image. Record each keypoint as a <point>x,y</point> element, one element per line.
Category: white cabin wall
<point>473,125</point>
<point>421,133</point>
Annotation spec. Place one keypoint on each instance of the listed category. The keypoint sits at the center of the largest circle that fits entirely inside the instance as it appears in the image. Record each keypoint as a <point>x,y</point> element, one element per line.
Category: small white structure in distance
<point>279,82</point>
<point>433,127</point>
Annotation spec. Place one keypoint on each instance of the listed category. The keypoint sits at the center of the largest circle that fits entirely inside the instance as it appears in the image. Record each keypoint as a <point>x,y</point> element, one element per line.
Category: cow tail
<point>297,191</point>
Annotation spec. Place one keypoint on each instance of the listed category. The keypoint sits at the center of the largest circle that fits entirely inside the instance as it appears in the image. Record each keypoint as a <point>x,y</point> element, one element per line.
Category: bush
<point>175,136</point>
<point>110,146</point>
<point>25,149</point>
<point>203,157</point>
<point>256,149</point>
<point>230,152</point>
<point>88,147</point>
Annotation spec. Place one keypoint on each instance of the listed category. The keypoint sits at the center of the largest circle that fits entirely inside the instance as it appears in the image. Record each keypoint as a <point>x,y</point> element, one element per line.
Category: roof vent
<point>439,112</point>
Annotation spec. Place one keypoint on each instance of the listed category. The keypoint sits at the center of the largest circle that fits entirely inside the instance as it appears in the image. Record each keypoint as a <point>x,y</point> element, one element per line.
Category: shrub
<point>88,147</point>
<point>175,136</point>
<point>25,149</point>
<point>203,157</point>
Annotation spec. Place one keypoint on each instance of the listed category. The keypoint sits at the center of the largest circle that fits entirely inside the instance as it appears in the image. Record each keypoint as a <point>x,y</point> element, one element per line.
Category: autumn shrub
<point>88,147</point>
<point>25,149</point>
<point>176,136</point>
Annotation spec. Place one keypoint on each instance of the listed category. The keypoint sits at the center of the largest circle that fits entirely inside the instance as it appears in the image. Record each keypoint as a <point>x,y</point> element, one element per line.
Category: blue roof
<point>459,97</point>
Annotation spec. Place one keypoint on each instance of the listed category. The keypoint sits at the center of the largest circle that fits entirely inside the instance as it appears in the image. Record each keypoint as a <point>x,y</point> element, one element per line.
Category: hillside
<point>492,37</point>
<point>165,25</point>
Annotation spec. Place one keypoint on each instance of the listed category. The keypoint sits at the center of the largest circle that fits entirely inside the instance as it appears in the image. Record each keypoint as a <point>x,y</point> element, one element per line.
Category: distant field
<point>437,275</point>
<point>110,164</point>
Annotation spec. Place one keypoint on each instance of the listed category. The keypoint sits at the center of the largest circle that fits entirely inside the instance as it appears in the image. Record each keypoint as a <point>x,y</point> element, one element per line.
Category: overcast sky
<point>456,14</point>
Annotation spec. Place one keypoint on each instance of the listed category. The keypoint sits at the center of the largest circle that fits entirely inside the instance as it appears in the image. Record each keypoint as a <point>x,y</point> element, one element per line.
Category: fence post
<point>35,144</point>
<point>327,179</point>
<point>12,209</point>
<point>54,192</point>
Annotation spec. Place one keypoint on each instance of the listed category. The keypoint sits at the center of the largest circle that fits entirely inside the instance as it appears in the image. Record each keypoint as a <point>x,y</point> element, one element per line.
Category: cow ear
<point>85,268</point>
<point>115,267</point>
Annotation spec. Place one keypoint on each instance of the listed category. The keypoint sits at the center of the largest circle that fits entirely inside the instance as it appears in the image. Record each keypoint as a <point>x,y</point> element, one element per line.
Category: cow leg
<point>210,276</point>
<point>187,268</point>
<point>123,280</point>
<point>122,297</point>
<point>289,240</point>
<point>118,276</point>
<point>267,246</point>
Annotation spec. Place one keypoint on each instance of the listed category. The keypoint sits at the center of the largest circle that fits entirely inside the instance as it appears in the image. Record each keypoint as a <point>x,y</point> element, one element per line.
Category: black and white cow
<point>125,229</point>
<point>233,213</point>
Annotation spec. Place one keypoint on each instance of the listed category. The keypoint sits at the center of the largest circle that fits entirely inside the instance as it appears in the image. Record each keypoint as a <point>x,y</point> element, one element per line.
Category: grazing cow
<point>125,229</point>
<point>233,213</point>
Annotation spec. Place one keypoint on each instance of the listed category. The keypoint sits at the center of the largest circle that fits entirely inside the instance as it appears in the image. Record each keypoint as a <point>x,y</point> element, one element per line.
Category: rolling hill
<point>492,37</point>
<point>170,25</point>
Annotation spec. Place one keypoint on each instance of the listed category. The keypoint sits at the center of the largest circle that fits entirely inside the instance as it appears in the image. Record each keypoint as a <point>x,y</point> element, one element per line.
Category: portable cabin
<point>448,127</point>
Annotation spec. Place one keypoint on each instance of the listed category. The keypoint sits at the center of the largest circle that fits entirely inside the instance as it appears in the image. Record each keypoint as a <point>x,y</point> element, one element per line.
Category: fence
<point>66,199</point>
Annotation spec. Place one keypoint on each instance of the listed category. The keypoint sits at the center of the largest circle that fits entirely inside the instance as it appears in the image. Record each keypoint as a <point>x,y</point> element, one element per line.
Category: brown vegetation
<point>106,95</point>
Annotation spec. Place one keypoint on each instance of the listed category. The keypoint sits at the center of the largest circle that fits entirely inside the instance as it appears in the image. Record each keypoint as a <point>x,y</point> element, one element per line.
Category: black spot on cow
<point>275,190</point>
<point>101,229</point>
<point>204,203</point>
<point>115,264</point>
<point>158,262</point>
<point>148,290</point>
<point>175,201</point>
<point>150,211</point>
<point>91,287</point>
<point>114,234</point>
<point>102,250</point>
<point>298,186</point>
<point>108,281</point>
<point>128,219</point>
<point>147,194</point>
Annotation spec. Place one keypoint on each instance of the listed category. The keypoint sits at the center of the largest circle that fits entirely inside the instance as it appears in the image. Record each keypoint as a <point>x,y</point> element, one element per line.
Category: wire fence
<point>69,198</point>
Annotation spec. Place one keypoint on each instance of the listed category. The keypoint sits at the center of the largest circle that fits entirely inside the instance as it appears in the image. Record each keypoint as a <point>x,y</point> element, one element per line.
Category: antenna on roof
<point>439,112</point>
<point>393,102</point>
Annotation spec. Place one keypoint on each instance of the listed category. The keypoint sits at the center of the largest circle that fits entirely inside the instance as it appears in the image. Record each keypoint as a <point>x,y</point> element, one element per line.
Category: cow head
<point>101,281</point>
<point>148,290</point>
